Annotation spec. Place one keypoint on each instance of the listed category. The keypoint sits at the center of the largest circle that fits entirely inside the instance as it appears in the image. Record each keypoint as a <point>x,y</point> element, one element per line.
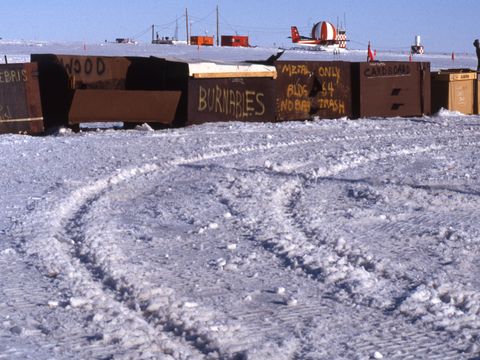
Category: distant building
<point>418,47</point>
<point>201,40</point>
<point>162,40</point>
<point>124,41</point>
<point>235,40</point>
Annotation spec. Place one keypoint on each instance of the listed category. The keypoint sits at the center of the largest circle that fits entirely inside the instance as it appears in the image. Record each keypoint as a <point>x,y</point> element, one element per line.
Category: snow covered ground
<point>325,239</point>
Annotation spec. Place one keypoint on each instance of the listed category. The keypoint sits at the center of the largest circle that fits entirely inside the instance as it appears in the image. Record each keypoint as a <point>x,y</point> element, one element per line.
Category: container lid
<point>206,70</point>
<point>455,75</point>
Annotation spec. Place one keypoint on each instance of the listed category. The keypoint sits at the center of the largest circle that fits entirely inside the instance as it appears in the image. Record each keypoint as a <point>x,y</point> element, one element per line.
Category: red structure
<point>235,40</point>
<point>201,40</point>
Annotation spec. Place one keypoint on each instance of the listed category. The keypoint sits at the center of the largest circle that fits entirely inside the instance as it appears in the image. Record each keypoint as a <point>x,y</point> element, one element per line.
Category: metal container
<point>20,105</point>
<point>390,89</point>
<point>306,89</point>
<point>454,89</point>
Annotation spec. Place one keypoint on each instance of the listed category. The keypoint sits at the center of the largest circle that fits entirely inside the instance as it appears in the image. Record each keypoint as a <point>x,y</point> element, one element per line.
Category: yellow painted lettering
<point>238,104</point>
<point>218,99</point>
<point>211,99</point>
<point>202,100</point>
<point>232,102</point>
<point>249,96</point>
<point>259,99</point>
<point>225,101</point>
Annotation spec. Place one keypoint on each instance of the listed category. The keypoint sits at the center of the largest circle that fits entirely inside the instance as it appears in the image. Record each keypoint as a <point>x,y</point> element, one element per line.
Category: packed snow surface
<point>323,239</point>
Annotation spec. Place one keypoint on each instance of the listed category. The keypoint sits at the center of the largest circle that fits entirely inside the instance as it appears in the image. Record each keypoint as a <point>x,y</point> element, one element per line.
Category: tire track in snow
<point>116,324</point>
<point>288,249</point>
<point>445,307</point>
<point>291,243</point>
<point>449,244</point>
<point>406,339</point>
<point>260,321</point>
<point>82,200</point>
<point>295,247</point>
<point>60,257</point>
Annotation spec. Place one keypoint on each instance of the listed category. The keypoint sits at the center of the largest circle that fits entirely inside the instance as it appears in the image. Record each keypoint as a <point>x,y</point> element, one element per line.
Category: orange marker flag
<point>370,55</point>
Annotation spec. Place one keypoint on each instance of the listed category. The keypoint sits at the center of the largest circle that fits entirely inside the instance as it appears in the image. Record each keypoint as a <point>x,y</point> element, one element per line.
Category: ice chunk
<point>232,247</point>
<point>78,302</point>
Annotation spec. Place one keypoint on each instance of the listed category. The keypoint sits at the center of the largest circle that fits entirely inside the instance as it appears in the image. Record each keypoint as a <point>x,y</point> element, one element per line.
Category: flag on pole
<point>370,55</point>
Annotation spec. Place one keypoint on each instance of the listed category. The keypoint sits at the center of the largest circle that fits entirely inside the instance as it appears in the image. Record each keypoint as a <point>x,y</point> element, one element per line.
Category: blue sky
<point>445,25</point>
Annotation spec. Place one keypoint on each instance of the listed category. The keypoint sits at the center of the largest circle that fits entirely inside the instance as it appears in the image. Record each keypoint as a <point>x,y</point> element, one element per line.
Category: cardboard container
<point>390,89</point>
<point>477,96</point>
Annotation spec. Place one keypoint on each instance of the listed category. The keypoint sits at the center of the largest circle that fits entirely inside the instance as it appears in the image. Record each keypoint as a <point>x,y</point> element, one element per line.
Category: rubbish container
<point>477,96</point>
<point>307,89</point>
<point>213,92</point>
<point>454,89</point>
<point>20,106</point>
<point>79,89</point>
<point>391,89</point>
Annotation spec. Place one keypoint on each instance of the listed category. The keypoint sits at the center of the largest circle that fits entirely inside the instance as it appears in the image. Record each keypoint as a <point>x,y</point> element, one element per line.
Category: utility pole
<point>153,33</point>
<point>176,30</point>
<point>186,21</point>
<point>218,28</point>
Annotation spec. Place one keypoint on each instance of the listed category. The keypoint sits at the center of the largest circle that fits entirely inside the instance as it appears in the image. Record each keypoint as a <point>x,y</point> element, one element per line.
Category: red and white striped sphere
<point>324,31</point>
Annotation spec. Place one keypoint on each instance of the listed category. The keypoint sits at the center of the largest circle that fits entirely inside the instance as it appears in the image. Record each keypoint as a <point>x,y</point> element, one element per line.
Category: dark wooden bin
<point>81,89</point>
<point>213,92</point>
<point>390,89</point>
<point>20,105</point>
<point>307,89</point>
